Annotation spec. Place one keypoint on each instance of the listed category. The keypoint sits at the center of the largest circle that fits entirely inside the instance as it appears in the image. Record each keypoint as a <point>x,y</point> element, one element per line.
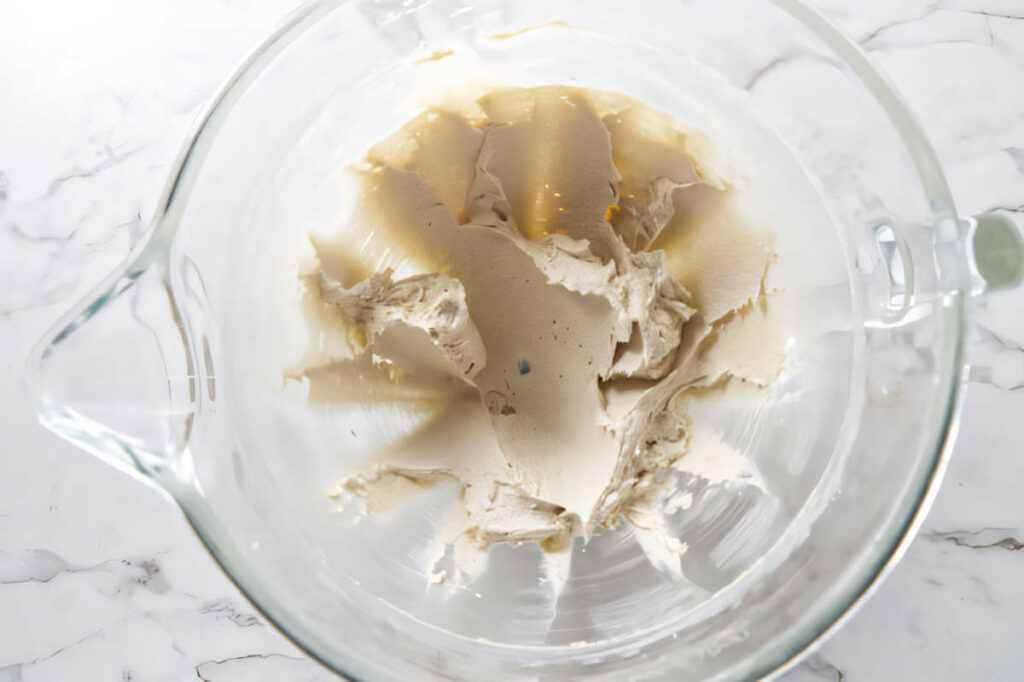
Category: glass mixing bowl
<point>167,369</point>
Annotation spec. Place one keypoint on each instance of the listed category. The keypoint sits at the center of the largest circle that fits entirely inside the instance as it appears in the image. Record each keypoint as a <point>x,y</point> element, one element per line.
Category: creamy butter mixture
<point>557,272</point>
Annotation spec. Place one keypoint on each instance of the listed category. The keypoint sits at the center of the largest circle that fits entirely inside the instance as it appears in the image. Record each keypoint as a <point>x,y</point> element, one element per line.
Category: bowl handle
<point>115,376</point>
<point>995,251</point>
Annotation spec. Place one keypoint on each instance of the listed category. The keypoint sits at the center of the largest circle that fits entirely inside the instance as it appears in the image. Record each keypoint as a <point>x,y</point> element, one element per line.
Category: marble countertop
<point>102,579</point>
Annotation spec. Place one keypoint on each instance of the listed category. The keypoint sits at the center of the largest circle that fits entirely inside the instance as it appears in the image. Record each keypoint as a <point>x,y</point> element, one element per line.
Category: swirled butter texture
<point>557,274</point>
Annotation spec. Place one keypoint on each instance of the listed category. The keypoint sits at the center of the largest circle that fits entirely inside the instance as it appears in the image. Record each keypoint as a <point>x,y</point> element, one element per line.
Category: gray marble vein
<point>16,671</point>
<point>780,62</point>
<point>1017,154</point>
<point>869,41</point>
<point>115,576</point>
<point>111,159</point>
<point>982,538</point>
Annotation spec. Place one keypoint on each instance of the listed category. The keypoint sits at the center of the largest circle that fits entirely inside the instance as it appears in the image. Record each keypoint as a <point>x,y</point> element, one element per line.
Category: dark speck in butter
<point>524,366</point>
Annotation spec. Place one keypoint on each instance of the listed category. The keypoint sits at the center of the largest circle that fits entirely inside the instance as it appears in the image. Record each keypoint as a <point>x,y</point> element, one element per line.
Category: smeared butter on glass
<point>556,275</point>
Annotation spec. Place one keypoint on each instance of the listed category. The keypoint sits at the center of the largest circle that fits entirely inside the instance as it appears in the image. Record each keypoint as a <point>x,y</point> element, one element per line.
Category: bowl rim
<point>943,209</point>
<point>771,659</point>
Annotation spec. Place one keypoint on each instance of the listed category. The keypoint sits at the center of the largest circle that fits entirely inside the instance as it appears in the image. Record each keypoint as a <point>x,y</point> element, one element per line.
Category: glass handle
<point>115,375</point>
<point>995,251</point>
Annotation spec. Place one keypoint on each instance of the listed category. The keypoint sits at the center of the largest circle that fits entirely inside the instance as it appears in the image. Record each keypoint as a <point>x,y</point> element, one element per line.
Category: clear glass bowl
<point>168,369</point>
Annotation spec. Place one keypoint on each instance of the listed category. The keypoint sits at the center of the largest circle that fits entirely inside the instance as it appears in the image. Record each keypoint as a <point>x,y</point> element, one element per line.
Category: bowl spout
<point>115,375</point>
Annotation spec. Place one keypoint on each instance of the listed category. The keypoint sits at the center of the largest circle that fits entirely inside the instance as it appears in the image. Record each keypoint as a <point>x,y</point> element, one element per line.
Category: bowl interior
<point>835,460</point>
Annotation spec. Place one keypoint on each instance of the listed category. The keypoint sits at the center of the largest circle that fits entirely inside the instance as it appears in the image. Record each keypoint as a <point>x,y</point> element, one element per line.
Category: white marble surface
<point>101,579</point>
